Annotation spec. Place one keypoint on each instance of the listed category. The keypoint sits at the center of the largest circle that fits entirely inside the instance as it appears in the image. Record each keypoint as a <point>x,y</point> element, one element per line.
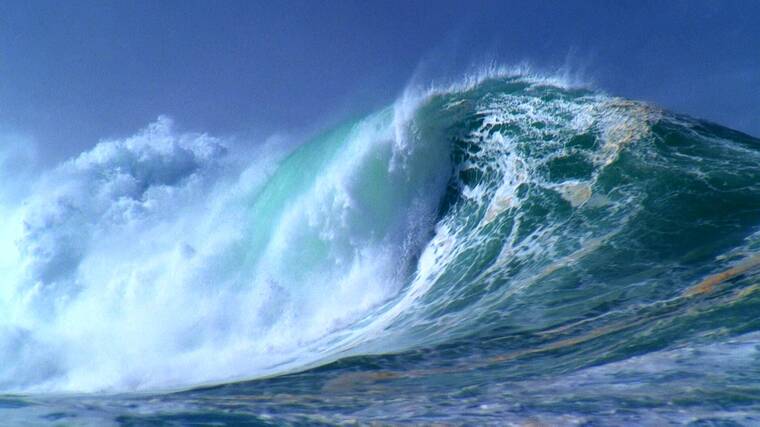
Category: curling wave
<point>515,216</point>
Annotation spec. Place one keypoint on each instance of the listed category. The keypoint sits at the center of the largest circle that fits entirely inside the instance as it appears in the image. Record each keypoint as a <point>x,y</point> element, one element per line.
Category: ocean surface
<point>506,249</point>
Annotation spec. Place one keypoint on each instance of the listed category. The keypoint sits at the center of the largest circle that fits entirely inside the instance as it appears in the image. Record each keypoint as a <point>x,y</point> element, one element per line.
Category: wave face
<point>543,249</point>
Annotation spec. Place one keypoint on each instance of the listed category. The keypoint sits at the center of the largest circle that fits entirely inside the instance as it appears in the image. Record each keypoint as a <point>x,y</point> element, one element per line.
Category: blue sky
<point>74,72</point>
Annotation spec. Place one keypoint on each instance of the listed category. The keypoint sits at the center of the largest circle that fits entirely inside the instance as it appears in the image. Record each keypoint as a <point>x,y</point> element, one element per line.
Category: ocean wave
<point>533,212</point>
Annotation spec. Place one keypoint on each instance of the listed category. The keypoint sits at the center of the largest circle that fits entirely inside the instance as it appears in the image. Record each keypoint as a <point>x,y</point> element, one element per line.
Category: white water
<point>129,267</point>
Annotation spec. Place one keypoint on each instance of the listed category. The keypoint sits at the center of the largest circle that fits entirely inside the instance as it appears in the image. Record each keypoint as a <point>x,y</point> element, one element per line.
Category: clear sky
<point>74,72</point>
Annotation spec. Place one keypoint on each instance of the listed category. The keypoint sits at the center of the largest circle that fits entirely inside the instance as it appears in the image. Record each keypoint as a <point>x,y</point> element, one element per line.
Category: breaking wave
<point>503,206</point>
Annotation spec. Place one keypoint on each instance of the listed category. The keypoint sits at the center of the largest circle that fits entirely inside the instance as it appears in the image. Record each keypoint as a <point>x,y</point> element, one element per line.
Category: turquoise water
<point>509,249</point>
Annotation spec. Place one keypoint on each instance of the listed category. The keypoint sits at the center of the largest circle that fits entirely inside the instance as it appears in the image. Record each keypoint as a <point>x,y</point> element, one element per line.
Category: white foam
<point>129,266</point>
